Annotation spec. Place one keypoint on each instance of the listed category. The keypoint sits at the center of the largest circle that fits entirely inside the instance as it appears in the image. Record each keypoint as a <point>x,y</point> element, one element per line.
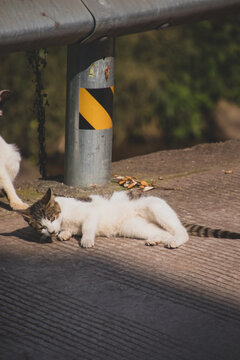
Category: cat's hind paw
<point>159,239</point>
<point>174,242</point>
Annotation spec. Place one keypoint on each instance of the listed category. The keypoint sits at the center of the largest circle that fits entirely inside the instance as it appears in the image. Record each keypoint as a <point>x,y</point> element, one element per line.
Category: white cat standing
<point>9,167</point>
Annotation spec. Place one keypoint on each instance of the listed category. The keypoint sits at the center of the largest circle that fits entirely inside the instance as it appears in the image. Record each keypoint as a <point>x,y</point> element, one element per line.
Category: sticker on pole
<point>95,108</point>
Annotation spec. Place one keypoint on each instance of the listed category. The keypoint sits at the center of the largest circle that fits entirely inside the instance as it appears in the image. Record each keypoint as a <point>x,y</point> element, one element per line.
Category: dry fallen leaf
<point>147,188</point>
<point>130,181</point>
<point>132,185</point>
<point>144,183</point>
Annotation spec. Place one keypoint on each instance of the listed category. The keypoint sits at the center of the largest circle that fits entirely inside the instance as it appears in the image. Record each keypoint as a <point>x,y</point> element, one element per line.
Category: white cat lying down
<point>149,218</point>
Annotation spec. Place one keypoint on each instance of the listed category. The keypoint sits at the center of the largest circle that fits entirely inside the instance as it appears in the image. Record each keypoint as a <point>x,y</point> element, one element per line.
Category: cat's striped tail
<point>203,231</point>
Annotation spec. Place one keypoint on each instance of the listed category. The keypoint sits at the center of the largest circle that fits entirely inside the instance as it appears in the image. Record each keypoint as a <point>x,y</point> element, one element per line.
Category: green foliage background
<point>174,78</point>
<point>166,86</point>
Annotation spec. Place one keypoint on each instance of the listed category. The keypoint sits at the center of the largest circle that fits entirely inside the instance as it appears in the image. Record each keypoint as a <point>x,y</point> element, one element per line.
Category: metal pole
<point>90,79</point>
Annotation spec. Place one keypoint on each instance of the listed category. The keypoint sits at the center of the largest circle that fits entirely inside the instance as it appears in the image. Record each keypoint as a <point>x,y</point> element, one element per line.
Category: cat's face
<point>44,215</point>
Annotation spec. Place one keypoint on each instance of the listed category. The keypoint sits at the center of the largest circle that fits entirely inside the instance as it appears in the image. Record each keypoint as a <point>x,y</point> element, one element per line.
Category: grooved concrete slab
<point>121,299</point>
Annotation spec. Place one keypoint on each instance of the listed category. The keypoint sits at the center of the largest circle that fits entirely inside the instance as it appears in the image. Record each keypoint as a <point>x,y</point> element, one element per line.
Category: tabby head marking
<point>43,211</point>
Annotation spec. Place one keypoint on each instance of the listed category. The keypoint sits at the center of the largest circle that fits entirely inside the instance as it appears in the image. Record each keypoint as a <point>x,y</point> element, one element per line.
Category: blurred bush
<point>171,81</point>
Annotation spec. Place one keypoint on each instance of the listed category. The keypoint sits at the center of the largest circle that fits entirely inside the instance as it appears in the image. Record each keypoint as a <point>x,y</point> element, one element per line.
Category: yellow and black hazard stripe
<point>95,108</point>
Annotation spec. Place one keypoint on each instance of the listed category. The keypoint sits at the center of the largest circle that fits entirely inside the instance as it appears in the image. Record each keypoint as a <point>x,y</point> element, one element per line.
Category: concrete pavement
<point>121,299</point>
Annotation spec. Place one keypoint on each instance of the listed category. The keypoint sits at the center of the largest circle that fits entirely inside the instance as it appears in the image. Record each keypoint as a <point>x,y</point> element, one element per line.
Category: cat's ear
<point>48,197</point>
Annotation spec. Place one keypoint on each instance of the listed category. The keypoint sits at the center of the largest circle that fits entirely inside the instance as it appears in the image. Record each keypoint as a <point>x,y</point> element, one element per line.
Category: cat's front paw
<point>152,243</point>
<point>87,242</point>
<point>64,235</point>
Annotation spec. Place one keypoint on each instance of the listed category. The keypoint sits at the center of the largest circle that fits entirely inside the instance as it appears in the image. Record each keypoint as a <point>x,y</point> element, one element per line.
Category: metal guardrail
<point>121,17</point>
<point>32,23</point>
